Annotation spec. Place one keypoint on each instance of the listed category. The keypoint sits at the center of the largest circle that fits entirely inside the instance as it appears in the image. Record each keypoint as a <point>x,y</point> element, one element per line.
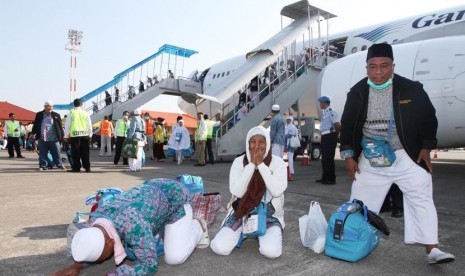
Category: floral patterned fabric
<point>139,214</point>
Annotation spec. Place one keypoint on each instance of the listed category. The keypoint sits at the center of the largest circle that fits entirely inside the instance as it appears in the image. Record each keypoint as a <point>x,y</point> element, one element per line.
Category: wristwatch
<point>347,154</point>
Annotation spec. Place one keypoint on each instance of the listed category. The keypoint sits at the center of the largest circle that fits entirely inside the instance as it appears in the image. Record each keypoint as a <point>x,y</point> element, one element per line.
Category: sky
<point>35,67</point>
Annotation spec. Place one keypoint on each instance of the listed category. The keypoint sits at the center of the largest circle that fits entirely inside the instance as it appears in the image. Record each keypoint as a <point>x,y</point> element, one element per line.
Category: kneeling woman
<point>255,176</point>
<point>126,228</point>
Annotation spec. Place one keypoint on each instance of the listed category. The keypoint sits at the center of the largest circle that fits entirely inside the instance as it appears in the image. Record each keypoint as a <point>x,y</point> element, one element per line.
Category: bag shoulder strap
<point>390,124</point>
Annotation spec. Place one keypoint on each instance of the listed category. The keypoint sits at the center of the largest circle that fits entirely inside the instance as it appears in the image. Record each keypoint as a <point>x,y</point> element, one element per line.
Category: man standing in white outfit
<point>394,117</point>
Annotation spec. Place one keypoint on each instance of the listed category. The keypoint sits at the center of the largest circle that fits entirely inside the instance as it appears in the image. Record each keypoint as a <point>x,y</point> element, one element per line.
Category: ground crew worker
<point>12,133</point>
<point>106,131</point>
<point>122,126</point>
<point>78,129</point>
<point>149,125</point>
<point>208,149</point>
<point>200,139</point>
<point>160,138</point>
<point>329,128</point>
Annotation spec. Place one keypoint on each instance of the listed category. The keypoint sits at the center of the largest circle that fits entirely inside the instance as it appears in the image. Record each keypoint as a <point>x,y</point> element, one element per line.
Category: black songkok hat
<point>380,50</point>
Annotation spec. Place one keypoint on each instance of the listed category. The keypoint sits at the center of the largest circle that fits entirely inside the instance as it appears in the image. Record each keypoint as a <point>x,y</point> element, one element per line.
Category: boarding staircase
<point>230,140</point>
<point>294,81</point>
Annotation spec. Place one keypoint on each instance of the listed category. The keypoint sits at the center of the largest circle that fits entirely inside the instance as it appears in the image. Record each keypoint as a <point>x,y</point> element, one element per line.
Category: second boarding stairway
<point>188,90</point>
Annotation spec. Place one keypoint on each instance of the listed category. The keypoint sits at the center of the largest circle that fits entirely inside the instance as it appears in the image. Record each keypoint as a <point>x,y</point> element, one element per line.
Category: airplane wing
<point>193,97</point>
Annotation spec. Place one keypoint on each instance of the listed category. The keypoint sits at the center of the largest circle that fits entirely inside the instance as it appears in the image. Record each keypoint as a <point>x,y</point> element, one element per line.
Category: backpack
<point>350,236</point>
<point>101,196</point>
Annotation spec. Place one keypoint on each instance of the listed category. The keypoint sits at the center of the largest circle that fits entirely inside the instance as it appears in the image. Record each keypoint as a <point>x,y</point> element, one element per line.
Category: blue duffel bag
<point>193,183</point>
<point>350,237</point>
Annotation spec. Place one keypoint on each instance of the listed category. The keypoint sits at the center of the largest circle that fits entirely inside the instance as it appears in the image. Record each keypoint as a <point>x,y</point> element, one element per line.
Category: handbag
<point>350,237</point>
<point>378,151</point>
<point>130,148</point>
<point>170,152</point>
<point>313,228</point>
<point>294,142</point>
<point>206,206</point>
<point>254,223</point>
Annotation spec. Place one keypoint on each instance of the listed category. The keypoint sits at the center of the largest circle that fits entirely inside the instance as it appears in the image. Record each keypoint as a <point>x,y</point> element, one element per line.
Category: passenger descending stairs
<point>232,143</point>
<point>176,87</point>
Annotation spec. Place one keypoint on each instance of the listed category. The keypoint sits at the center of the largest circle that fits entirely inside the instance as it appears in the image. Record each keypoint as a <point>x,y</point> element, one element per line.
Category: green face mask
<point>379,86</point>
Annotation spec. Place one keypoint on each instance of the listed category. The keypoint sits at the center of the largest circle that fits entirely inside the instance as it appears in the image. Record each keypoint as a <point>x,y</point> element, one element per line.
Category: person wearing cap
<point>179,140</point>
<point>48,131</point>
<point>126,228</point>
<point>200,139</point>
<point>387,107</point>
<point>277,131</point>
<point>290,131</point>
<point>12,132</point>
<point>256,176</point>
<point>78,130</point>
<point>136,132</point>
<point>329,129</point>
<point>173,129</point>
<point>122,126</point>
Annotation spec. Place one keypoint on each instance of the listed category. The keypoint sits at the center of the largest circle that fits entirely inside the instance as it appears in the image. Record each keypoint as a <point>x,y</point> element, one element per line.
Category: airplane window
<point>222,74</point>
<point>394,41</point>
<point>227,74</point>
<point>354,50</point>
<point>214,75</point>
<point>364,47</point>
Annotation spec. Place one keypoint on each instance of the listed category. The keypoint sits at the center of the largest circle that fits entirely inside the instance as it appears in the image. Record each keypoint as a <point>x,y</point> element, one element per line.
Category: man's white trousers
<point>420,217</point>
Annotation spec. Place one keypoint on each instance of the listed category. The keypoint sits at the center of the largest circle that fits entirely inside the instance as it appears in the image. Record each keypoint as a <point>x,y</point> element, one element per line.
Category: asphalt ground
<point>36,208</point>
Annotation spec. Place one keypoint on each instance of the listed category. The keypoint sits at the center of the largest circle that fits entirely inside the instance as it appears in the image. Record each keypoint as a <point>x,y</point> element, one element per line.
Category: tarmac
<point>36,208</point>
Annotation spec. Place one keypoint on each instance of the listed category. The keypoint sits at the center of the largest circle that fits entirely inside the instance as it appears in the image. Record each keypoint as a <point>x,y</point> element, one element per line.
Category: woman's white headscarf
<point>290,118</point>
<point>258,130</point>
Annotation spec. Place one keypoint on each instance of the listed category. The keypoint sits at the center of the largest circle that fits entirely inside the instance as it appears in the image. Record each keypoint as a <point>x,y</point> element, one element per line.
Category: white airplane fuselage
<point>439,64</point>
<point>429,48</point>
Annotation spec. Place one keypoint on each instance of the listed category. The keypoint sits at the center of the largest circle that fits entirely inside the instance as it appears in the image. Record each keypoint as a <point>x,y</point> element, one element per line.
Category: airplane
<point>327,67</point>
<point>428,47</point>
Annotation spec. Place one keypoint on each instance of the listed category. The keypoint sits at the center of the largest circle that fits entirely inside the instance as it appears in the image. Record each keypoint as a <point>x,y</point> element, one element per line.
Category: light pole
<point>74,47</point>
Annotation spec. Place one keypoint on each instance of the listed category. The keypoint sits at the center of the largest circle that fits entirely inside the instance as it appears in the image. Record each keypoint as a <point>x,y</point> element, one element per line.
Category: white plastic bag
<point>313,228</point>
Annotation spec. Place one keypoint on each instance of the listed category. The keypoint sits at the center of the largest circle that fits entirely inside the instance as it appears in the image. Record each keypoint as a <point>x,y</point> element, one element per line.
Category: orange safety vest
<point>149,127</point>
<point>105,128</point>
